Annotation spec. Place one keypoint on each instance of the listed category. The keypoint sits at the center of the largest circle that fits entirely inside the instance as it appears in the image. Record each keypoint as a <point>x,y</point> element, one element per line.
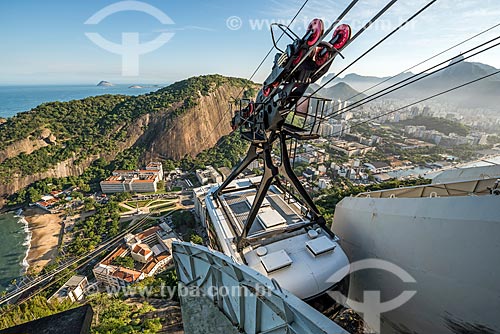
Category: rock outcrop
<point>170,132</point>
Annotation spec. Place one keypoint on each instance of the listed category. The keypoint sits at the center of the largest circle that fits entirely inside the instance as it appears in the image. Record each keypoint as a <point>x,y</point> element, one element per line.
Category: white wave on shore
<point>27,241</point>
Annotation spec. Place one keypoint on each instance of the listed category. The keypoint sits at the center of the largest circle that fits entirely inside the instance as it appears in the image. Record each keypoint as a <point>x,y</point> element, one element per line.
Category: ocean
<point>14,244</point>
<point>15,99</point>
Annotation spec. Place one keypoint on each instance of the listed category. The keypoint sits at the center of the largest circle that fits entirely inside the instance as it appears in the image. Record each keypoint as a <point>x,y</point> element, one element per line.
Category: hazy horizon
<point>47,43</point>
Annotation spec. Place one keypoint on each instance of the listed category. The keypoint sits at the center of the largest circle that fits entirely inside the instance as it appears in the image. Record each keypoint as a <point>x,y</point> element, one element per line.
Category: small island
<point>105,84</point>
<point>136,87</point>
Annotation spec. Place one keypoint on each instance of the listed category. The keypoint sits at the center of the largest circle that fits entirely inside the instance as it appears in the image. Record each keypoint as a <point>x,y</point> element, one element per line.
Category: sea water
<point>15,99</point>
<point>15,239</point>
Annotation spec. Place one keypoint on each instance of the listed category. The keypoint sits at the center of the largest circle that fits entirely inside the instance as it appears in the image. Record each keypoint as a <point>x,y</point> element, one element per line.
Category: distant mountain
<point>481,94</point>
<point>327,77</point>
<point>105,84</point>
<point>362,83</point>
<point>484,93</point>
<point>340,91</point>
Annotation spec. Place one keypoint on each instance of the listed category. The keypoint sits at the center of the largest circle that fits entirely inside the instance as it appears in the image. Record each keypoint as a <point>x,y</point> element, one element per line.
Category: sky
<point>46,42</point>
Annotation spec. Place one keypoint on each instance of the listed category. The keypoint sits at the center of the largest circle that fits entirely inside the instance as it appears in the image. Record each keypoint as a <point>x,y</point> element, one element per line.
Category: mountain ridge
<point>482,94</point>
<point>182,119</point>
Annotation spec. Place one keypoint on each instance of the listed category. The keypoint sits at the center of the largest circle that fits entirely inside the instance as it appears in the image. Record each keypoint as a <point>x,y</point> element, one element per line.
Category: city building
<point>378,167</point>
<point>73,289</point>
<point>150,251</point>
<point>351,148</point>
<point>324,183</point>
<point>411,144</point>
<point>209,175</point>
<point>139,181</point>
<point>199,195</point>
<point>225,172</point>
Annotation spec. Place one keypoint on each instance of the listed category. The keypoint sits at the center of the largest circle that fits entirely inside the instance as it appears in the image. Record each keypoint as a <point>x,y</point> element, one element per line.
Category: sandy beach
<point>45,230</point>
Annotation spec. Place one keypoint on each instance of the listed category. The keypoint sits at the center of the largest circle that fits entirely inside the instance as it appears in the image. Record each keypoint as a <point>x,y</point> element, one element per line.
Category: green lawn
<point>159,202</point>
<point>123,210</point>
<point>164,211</point>
<point>141,204</point>
<point>163,206</point>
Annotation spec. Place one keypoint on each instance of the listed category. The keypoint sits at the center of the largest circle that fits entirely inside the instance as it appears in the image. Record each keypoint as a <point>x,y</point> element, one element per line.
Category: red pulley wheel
<point>299,57</point>
<point>321,57</point>
<point>266,91</point>
<point>317,27</point>
<point>344,33</point>
<point>250,109</point>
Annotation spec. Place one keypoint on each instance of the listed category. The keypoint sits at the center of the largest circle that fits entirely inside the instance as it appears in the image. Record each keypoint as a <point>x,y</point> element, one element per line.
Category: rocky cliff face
<point>166,133</point>
<point>195,130</point>
<point>75,166</point>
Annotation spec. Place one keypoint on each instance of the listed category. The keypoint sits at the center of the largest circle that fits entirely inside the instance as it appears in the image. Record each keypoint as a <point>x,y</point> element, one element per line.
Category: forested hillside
<point>62,139</point>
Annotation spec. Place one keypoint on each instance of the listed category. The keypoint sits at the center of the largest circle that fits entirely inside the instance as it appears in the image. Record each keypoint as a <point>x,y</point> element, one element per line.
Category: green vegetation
<point>151,203</point>
<point>141,204</point>
<point>37,307</point>
<point>104,224</point>
<point>159,201</point>
<point>160,207</point>
<point>183,218</point>
<point>125,261</point>
<point>184,222</point>
<point>114,316</point>
<point>82,129</point>
<point>442,125</point>
<point>111,314</point>
<point>157,285</point>
<point>329,198</point>
<point>227,153</point>
<point>492,139</point>
<point>87,182</point>
<point>124,210</point>
<point>196,239</point>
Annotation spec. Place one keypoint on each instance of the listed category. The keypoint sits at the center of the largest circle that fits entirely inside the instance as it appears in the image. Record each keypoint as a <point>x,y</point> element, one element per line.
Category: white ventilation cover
<point>320,245</point>
<point>275,261</point>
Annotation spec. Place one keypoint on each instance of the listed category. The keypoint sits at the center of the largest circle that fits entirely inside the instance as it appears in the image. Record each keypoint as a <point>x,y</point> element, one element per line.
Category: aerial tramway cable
<point>422,62</point>
<point>420,101</point>
<point>417,77</point>
<point>370,49</point>
<point>341,16</point>
<point>272,48</point>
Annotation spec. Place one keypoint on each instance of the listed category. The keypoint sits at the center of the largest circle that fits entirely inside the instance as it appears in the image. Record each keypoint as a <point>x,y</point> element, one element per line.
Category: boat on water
<point>282,244</point>
<point>446,236</point>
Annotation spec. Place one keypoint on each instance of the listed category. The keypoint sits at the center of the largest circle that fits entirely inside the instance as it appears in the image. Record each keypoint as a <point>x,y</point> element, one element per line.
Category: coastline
<point>43,235</point>
<point>27,241</point>
<point>488,160</point>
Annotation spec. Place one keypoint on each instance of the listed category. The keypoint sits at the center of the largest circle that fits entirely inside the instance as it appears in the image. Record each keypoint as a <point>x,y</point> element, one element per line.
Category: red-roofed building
<point>150,250</point>
<point>139,181</point>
